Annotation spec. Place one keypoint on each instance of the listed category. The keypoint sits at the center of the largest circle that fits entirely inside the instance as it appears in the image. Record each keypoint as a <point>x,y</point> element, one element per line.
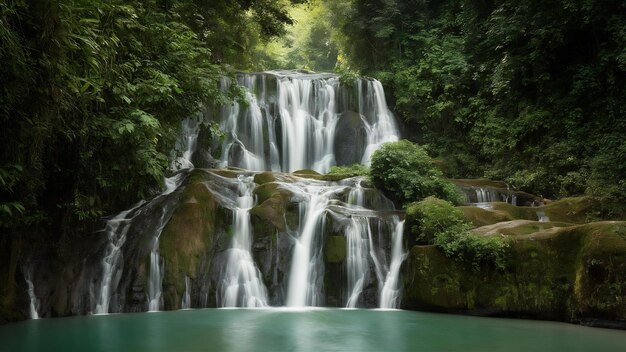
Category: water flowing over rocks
<point>252,221</point>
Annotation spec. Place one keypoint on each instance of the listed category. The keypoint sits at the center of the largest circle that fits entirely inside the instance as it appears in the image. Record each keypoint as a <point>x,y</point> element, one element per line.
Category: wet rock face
<point>572,273</point>
<point>575,210</point>
<point>350,138</point>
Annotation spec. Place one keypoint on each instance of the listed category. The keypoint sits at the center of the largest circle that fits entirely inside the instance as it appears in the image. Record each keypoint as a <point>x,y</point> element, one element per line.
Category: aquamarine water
<point>302,330</point>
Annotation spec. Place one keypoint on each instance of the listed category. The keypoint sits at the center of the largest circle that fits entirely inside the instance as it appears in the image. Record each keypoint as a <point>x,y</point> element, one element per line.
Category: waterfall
<point>186,143</point>
<point>186,302</point>
<point>383,129</point>
<point>542,217</point>
<point>34,302</point>
<point>390,294</point>
<point>116,230</point>
<point>306,265</point>
<point>242,285</point>
<point>357,264</point>
<point>155,279</point>
<point>302,290</point>
<point>290,121</point>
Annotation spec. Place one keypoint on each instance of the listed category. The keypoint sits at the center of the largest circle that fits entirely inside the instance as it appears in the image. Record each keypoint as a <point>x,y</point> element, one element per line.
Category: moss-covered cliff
<point>555,270</point>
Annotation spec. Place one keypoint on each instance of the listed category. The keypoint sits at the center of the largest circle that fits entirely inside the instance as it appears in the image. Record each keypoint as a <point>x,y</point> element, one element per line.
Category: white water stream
<point>306,108</point>
<point>34,301</point>
<point>242,285</point>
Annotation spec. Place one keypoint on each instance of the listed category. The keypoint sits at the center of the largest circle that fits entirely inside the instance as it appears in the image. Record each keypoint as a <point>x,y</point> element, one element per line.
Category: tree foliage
<point>435,221</point>
<point>531,92</point>
<point>94,92</point>
<point>406,173</point>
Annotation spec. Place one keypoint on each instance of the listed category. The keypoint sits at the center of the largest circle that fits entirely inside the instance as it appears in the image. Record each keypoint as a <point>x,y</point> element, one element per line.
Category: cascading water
<point>390,294</point>
<point>242,285</point>
<point>186,144</point>
<point>116,229</point>
<point>155,280</point>
<point>357,264</point>
<point>356,258</point>
<point>366,231</point>
<point>186,302</point>
<point>304,289</point>
<point>291,121</point>
<point>34,302</point>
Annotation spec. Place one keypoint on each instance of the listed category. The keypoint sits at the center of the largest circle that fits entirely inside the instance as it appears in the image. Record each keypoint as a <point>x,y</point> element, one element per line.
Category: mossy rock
<point>271,211</point>
<point>306,172</point>
<point>273,207</point>
<point>335,249</point>
<point>228,173</point>
<point>481,217</point>
<point>271,189</point>
<point>573,273</point>
<point>264,177</point>
<point>574,210</point>
<point>188,236</point>
<point>267,177</point>
<point>518,227</point>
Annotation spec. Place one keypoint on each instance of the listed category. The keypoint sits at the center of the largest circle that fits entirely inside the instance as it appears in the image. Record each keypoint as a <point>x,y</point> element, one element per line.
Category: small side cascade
<point>186,301</point>
<point>390,294</point>
<point>485,195</point>
<point>116,230</point>
<point>542,217</point>
<point>384,128</point>
<point>241,284</point>
<point>186,143</point>
<point>155,278</point>
<point>34,301</point>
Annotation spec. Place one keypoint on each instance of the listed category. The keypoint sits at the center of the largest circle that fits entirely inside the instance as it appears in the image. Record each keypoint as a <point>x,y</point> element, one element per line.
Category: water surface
<point>302,330</point>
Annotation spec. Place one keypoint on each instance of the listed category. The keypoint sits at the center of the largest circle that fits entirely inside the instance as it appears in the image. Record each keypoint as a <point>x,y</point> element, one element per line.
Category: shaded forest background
<point>93,91</point>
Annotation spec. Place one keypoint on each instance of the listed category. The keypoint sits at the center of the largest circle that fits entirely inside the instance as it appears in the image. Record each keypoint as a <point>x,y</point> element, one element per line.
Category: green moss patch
<point>335,249</point>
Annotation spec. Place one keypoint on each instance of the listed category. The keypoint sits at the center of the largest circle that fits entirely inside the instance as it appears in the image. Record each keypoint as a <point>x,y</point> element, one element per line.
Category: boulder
<point>573,274</point>
<point>350,138</point>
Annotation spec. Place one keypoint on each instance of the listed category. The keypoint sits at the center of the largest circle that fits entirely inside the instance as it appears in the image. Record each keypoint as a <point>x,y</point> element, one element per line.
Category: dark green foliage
<point>93,93</point>
<point>432,216</point>
<point>531,92</point>
<point>406,173</point>
<point>435,221</point>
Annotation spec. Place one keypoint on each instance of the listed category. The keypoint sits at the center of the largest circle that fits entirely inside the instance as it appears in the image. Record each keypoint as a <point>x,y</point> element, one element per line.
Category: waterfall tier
<point>289,120</point>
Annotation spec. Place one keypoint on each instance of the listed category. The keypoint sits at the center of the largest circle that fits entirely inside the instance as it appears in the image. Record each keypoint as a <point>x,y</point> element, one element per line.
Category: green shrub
<point>438,222</point>
<point>405,173</point>
<point>425,219</point>
<point>477,250</point>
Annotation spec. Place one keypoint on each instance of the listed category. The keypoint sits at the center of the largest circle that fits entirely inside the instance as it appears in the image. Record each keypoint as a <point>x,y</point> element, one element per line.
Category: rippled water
<point>302,330</point>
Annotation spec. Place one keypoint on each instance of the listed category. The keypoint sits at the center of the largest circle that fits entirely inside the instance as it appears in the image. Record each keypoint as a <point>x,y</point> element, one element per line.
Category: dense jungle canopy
<point>93,91</point>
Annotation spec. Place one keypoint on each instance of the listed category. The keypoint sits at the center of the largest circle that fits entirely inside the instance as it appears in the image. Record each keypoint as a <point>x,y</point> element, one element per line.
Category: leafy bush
<point>435,221</point>
<point>405,173</point>
<point>427,218</point>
